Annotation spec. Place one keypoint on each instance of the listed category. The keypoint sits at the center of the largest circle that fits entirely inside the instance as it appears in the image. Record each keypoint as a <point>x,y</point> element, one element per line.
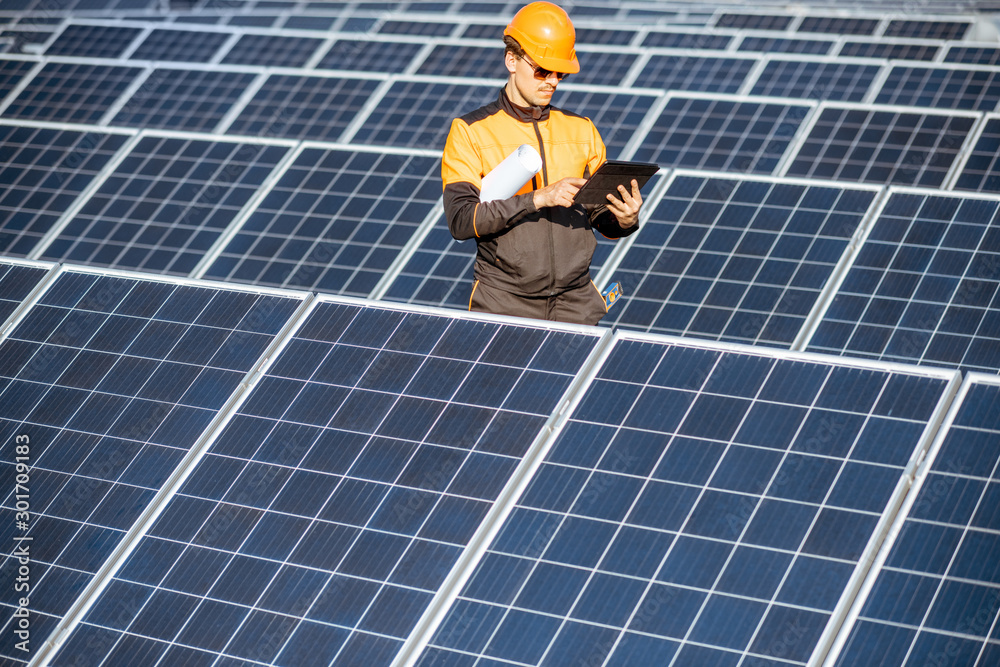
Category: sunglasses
<point>541,73</point>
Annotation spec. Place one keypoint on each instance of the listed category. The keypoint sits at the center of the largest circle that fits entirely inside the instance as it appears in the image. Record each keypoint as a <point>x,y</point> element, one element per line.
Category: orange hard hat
<point>546,34</point>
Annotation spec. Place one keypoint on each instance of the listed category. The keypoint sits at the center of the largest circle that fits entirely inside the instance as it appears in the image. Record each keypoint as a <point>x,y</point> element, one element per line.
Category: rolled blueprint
<point>510,175</point>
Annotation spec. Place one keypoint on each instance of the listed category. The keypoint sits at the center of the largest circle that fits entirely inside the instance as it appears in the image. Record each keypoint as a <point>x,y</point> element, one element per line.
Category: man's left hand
<point>627,208</point>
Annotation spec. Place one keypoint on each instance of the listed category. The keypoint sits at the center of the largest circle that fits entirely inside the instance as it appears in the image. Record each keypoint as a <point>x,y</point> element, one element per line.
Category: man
<point>533,249</point>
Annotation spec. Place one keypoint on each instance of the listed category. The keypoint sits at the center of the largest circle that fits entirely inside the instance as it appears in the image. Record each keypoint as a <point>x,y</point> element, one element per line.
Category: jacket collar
<point>523,114</point>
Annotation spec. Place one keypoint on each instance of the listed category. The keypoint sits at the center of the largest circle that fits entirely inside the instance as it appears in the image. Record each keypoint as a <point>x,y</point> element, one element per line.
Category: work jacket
<point>521,249</point>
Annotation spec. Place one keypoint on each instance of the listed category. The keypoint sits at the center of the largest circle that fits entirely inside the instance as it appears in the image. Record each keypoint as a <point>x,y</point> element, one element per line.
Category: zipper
<point>545,181</point>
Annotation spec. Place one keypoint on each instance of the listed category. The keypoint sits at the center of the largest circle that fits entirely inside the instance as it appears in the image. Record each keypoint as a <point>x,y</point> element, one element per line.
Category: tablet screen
<point>609,176</point>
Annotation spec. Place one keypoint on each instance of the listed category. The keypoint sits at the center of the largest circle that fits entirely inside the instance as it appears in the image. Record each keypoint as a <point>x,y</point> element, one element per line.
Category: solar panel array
<point>226,469</point>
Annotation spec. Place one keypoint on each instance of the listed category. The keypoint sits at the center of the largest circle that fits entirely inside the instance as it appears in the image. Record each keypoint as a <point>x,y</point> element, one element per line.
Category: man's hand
<point>560,193</point>
<point>627,208</point>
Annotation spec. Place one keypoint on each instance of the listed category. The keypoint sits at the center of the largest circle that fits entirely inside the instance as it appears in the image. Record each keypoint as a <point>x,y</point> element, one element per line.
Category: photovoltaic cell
<point>43,172</point>
<point>838,25</point>
<point>165,204</point>
<point>603,67</point>
<point>697,504</point>
<point>194,46</point>
<point>11,73</point>
<point>421,28</point>
<point>926,29</point>
<point>786,45</point>
<point>874,146</point>
<point>370,56</point>
<point>310,22</point>
<point>93,41</point>
<point>981,173</point>
<point>71,93</point>
<point>845,82</point>
<point>16,284</point>
<point>923,288</point>
<point>303,107</point>
<point>715,75</point>
<point>484,62</point>
<point>687,40</point>
<point>258,21</point>
<point>753,21</point>
<point>328,512</point>
<point>439,273</point>
<point>721,134</point>
<point>483,31</point>
<point>973,55</point>
<point>739,261</point>
<point>890,50</point>
<point>941,87</point>
<point>418,114</point>
<point>192,100</point>
<point>272,50</point>
<point>616,116</point>
<point>113,380</point>
<point>604,36</point>
<point>334,222</point>
<point>937,594</point>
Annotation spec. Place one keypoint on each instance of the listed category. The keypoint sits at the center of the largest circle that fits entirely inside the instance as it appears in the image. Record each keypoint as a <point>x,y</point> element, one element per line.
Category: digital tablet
<point>609,176</point>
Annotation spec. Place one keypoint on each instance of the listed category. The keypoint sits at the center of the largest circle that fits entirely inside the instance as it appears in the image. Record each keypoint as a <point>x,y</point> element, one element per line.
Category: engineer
<point>533,250</point>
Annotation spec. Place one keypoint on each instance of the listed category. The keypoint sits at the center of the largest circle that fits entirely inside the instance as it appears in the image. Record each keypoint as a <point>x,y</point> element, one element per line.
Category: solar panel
<point>687,40</point>
<point>603,67</point>
<point>166,204</point>
<point>941,87</point>
<point>421,28</point>
<point>370,56</point>
<point>418,114</point>
<point>617,116</point>
<point>680,72</point>
<point>259,21</point>
<point>753,21</point>
<point>192,100</point>
<point>739,260</point>
<point>303,107</point>
<point>721,134</point>
<point>483,31</point>
<point>981,173</point>
<point>113,380</point>
<point>481,62</point>
<point>196,46</point>
<point>327,513</point>
<point>697,503</point>
<point>936,593</point>
<point>93,41</point>
<point>926,29</point>
<point>11,73</point>
<point>922,288</point>
<point>71,93</point>
<point>438,273</point>
<point>17,282</point>
<point>785,45</point>
<point>973,55</point>
<point>881,146</point>
<point>827,80</point>
<point>334,222</point>
<point>604,36</point>
<point>272,50</point>
<point>890,50</point>
<point>838,25</point>
<point>43,172</point>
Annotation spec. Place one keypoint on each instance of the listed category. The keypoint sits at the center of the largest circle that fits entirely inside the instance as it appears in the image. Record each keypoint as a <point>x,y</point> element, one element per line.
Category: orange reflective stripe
<point>474,286</point>
<point>474,212</point>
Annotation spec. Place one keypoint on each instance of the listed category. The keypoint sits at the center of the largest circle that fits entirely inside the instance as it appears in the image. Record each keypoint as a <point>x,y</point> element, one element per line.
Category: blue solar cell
<point>370,56</point>
<point>848,82</point>
<point>109,418</point>
<point>193,100</point>
<point>890,50</point>
<point>922,288</point>
<point>16,283</point>
<point>334,222</point>
<point>926,29</point>
<point>881,146</point>
<point>838,25</point>
<point>980,171</point>
<point>670,544</point>
<point>180,45</point>
<point>716,75</point>
<point>303,107</point>
<point>941,87</point>
<point>165,204</point>
<point>941,595</point>
<point>687,40</point>
<point>786,45</point>
<point>342,529</point>
<point>44,172</point>
<point>71,92</point>
<point>721,134</point>
<point>604,36</point>
<point>93,41</point>
<point>422,28</point>
<point>973,55</point>
<point>272,50</point>
<point>11,73</point>
<point>753,21</point>
<point>467,61</point>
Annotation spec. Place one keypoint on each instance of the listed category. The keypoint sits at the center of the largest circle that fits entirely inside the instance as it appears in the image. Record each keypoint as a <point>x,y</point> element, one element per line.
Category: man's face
<point>532,90</point>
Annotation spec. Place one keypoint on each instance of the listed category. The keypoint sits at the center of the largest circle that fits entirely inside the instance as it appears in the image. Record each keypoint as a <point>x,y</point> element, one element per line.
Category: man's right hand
<point>560,193</point>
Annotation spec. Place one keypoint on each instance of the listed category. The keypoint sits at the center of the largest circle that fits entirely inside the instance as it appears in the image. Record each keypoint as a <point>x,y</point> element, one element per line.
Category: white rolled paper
<point>509,176</point>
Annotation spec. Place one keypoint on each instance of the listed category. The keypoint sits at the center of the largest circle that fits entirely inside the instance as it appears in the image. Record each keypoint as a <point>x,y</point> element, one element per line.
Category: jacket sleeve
<point>601,218</point>
<point>462,177</point>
